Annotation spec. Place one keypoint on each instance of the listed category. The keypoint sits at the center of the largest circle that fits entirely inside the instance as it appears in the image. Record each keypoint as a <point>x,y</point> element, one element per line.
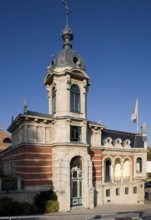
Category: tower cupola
<point>67,57</point>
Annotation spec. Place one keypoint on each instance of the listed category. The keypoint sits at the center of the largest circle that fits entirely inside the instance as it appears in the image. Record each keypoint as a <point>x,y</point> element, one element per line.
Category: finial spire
<point>66,3</point>
<point>67,32</point>
<point>25,105</point>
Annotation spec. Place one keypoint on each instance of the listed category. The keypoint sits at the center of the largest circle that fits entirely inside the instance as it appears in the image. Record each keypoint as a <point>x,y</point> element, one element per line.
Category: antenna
<point>66,3</point>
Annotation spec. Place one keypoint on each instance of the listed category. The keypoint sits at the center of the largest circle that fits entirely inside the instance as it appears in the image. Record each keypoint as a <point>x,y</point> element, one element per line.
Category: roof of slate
<point>136,139</point>
<point>32,113</point>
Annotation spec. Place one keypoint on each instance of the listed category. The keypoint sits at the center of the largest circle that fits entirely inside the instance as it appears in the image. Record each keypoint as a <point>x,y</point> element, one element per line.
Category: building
<point>5,139</point>
<point>85,163</point>
<point>5,142</point>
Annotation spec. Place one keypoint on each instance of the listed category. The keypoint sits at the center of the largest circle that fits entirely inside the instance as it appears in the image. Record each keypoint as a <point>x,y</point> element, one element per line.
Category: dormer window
<point>117,142</point>
<point>75,98</point>
<point>126,143</point>
<point>107,140</point>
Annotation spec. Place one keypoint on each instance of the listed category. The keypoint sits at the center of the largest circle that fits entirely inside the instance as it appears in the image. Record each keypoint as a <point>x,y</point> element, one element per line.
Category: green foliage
<point>44,202</point>
<point>9,183</point>
<point>41,198</point>
<point>8,207</point>
<point>51,206</point>
<point>26,208</point>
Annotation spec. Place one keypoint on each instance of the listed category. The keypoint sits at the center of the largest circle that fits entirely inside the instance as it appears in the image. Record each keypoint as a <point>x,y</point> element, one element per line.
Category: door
<point>76,182</point>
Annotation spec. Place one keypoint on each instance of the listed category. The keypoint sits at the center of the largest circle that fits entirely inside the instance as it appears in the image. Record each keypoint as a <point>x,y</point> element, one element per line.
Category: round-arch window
<point>7,140</point>
<point>76,162</point>
<point>75,60</point>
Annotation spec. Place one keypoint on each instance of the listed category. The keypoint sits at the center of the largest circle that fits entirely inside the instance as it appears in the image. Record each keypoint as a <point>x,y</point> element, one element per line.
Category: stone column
<point>122,174</point>
<point>112,172</point>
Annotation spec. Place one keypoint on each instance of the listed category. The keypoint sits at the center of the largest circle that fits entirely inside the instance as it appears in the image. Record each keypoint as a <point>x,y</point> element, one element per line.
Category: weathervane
<point>66,3</point>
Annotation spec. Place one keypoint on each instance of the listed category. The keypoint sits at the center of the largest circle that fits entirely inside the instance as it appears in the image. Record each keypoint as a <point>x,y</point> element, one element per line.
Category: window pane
<point>74,189</point>
<point>139,165</point>
<point>75,133</point>
<point>80,188</point>
<point>75,174</point>
<point>134,189</point>
<point>126,190</point>
<point>117,191</point>
<point>76,162</point>
<point>53,100</point>
<point>107,170</point>
<point>107,192</point>
<point>75,98</point>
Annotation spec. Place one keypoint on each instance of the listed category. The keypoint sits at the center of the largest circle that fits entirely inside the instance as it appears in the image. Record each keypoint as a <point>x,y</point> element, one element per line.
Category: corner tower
<point>67,81</point>
<point>67,84</point>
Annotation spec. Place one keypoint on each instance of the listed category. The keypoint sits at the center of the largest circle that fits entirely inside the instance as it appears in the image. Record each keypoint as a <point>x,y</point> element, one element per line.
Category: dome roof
<point>67,57</point>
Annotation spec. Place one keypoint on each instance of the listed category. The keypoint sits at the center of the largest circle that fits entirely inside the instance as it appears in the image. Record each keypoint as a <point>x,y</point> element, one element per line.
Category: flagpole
<point>137,118</point>
<point>134,116</point>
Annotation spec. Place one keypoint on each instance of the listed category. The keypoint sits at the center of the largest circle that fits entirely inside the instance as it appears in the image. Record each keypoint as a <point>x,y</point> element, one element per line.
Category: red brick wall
<point>33,164</point>
<point>96,156</point>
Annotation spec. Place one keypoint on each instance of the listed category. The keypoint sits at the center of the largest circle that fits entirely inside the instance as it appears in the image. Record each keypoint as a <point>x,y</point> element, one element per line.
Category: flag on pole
<point>134,116</point>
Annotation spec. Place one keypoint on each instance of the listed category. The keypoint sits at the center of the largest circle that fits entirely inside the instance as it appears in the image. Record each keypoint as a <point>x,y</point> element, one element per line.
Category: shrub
<point>41,198</point>
<point>8,207</point>
<point>51,206</point>
<point>26,208</point>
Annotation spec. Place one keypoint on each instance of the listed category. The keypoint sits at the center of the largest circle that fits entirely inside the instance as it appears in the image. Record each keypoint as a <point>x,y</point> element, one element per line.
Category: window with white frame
<point>139,165</point>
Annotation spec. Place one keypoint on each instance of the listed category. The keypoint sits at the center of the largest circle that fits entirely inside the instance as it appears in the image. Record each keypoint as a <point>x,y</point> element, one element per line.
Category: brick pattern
<point>33,164</point>
<point>96,156</point>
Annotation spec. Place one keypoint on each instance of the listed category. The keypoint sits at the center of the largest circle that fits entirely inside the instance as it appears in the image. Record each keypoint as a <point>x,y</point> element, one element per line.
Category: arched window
<point>117,171</point>
<point>126,170</point>
<point>107,170</point>
<point>76,162</point>
<point>53,100</point>
<point>75,98</point>
<point>139,165</point>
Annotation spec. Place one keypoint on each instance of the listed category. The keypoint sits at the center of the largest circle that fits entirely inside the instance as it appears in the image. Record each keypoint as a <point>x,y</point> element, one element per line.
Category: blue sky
<point>112,36</point>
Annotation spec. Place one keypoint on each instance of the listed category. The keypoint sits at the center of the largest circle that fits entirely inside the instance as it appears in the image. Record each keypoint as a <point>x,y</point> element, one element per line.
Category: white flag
<point>134,116</point>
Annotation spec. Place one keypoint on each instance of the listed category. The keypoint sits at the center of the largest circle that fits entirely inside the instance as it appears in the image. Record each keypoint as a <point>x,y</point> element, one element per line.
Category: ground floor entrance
<point>76,181</point>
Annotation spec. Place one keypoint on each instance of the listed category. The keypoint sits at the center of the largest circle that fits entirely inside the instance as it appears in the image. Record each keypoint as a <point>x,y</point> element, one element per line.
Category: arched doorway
<point>76,181</point>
